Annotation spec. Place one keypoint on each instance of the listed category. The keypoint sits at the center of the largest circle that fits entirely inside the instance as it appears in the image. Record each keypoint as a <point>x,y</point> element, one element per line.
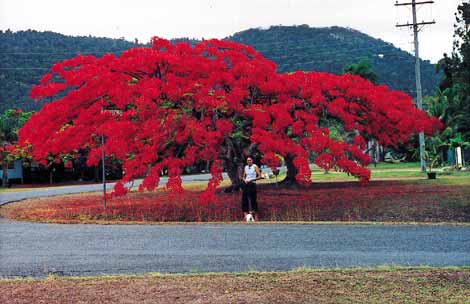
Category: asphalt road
<point>31,249</point>
<point>7,197</point>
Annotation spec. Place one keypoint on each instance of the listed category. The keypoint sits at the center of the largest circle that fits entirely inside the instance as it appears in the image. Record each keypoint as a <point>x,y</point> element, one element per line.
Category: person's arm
<point>244,175</point>
<point>258,173</point>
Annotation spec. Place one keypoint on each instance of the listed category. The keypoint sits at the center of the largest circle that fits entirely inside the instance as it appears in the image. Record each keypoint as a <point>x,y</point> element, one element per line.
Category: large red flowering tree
<point>170,106</point>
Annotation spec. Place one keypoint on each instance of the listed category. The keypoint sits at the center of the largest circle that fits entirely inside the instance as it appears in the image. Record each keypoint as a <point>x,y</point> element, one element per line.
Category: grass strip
<point>386,284</point>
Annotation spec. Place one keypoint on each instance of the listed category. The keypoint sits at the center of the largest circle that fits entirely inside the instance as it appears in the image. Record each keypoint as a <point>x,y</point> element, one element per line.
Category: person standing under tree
<point>251,174</point>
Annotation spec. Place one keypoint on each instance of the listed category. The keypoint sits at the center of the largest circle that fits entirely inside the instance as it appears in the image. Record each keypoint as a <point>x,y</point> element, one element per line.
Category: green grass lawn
<point>5,190</point>
<point>376,174</point>
<point>394,171</point>
<point>384,166</point>
<point>392,166</point>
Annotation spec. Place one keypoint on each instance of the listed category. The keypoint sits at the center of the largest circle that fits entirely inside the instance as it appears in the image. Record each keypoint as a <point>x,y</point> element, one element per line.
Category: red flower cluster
<point>168,106</point>
<point>11,152</point>
<point>216,172</point>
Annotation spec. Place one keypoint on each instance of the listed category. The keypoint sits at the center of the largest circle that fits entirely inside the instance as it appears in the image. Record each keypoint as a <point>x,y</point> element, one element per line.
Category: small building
<point>15,170</point>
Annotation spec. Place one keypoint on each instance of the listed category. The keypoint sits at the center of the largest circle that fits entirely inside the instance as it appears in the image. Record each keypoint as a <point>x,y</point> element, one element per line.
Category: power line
<point>257,45</point>
<point>333,54</point>
<point>266,51</point>
<point>23,68</point>
<point>379,50</point>
<point>357,57</point>
<point>270,43</point>
<point>62,53</point>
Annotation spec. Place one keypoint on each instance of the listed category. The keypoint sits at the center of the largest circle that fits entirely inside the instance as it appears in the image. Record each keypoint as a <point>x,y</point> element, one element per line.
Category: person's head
<point>249,160</point>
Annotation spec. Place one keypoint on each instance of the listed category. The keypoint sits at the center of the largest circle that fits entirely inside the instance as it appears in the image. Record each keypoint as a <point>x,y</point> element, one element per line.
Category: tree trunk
<point>291,172</point>
<point>234,172</point>
<point>96,173</point>
<point>233,161</point>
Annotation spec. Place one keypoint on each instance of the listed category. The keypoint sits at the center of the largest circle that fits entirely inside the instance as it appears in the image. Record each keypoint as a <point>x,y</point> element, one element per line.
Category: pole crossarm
<point>413,3</point>
<point>415,24</point>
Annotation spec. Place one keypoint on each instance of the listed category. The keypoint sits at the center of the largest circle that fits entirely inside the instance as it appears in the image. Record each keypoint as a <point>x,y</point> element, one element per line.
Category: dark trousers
<point>249,196</point>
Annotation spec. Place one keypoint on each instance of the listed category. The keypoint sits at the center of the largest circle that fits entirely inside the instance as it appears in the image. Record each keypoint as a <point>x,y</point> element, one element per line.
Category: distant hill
<point>330,49</point>
<point>26,55</point>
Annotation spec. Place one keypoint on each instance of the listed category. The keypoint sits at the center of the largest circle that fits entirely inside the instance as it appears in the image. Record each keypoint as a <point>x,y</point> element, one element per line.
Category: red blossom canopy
<point>169,106</point>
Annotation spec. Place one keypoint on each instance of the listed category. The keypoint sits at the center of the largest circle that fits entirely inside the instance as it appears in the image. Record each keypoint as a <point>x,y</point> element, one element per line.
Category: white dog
<point>249,218</point>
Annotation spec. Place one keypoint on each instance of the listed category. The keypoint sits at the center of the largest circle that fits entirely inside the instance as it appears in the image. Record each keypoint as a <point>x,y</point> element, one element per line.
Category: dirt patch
<point>398,286</point>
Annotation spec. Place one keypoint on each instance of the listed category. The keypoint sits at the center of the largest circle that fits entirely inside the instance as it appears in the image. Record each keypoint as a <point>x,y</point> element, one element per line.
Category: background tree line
<point>451,103</point>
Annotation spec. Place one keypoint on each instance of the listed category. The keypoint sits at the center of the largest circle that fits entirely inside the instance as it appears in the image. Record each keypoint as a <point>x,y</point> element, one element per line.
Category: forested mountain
<point>330,49</point>
<point>26,55</point>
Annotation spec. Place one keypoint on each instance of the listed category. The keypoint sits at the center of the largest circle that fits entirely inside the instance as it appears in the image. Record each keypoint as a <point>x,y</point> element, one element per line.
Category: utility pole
<point>103,168</point>
<point>419,93</point>
<point>103,165</point>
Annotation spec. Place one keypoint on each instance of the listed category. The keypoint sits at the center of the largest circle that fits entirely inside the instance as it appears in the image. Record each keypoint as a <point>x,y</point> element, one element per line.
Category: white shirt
<point>250,173</point>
